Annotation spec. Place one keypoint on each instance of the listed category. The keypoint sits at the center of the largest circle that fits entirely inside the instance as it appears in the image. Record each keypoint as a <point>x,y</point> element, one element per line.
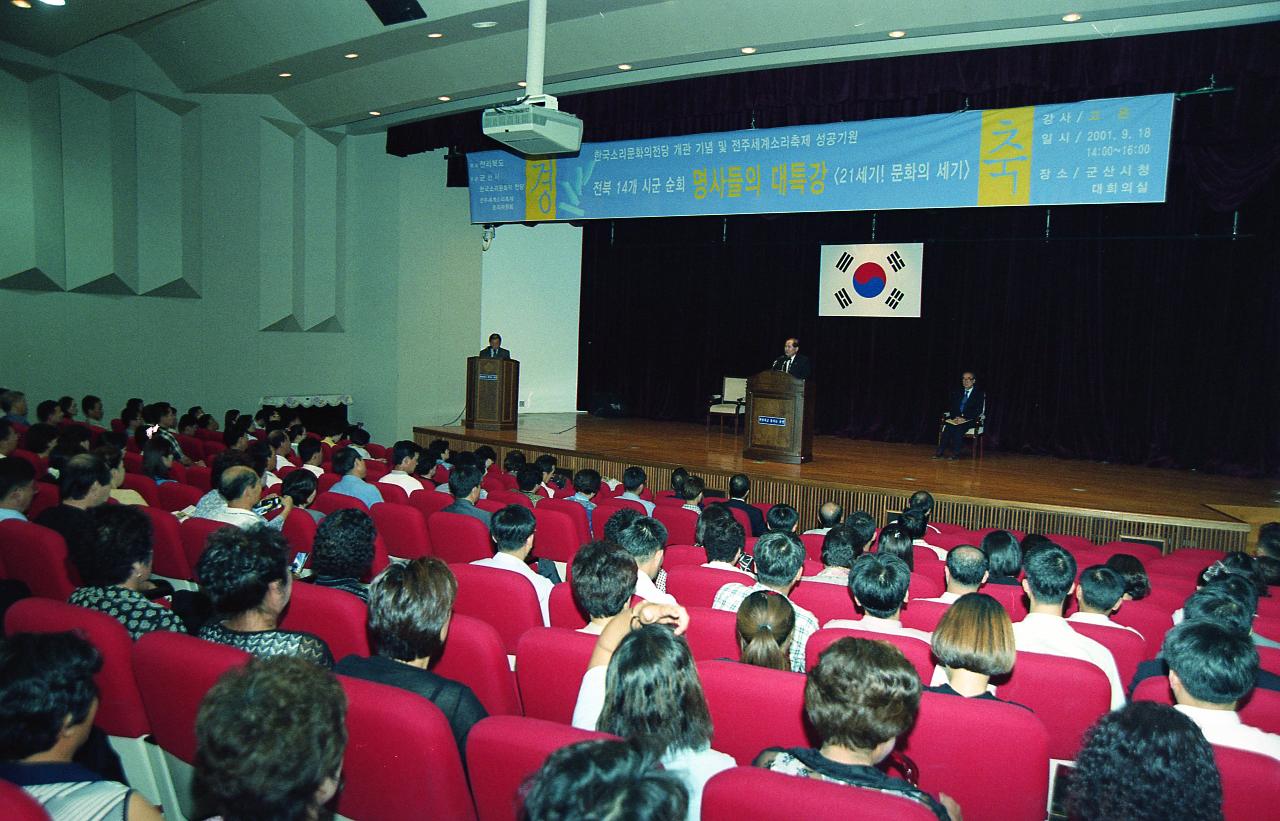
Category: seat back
<point>336,616</point>
<point>923,614</point>
<point>825,601</point>
<point>550,663</point>
<point>299,531</point>
<point>201,478</point>
<point>743,519</point>
<point>713,634</point>
<point>403,530</point>
<point>17,805</point>
<point>812,545</point>
<point>695,586</point>
<point>458,538</point>
<point>120,711</point>
<point>429,501</point>
<point>473,655</point>
<point>563,608</point>
<point>503,751</point>
<point>1042,683</point>
<point>753,708</point>
<point>680,555</point>
<point>511,497</point>
<point>400,753</point>
<point>1011,597</point>
<point>168,557</point>
<point>749,792</point>
<point>36,556</point>
<point>1015,744</point>
<point>144,486</point>
<point>1127,648</point>
<point>195,533</point>
<point>1149,620</point>
<point>505,600</point>
<point>329,501</point>
<point>47,496</point>
<point>680,523</point>
<point>576,513</point>
<point>555,536</point>
<point>1250,783</point>
<point>916,651</point>
<point>393,493</point>
<point>176,496</point>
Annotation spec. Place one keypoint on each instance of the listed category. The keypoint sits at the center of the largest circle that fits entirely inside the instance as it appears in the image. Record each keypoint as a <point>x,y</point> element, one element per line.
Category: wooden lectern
<point>779,418</point>
<point>493,393</point>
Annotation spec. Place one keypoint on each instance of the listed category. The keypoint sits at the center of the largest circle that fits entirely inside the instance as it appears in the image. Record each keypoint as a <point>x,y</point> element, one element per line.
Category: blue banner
<point>1091,152</point>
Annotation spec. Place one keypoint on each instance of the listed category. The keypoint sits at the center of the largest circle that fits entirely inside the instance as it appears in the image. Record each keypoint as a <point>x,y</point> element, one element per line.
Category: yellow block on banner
<point>1004,156</point>
<point>539,190</point>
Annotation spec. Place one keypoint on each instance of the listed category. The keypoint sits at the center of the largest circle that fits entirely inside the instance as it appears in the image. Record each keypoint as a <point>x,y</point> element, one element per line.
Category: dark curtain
<point>1141,334</point>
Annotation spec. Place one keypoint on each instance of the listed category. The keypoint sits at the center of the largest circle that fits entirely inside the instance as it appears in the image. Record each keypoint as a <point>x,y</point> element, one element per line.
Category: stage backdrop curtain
<point>1141,334</point>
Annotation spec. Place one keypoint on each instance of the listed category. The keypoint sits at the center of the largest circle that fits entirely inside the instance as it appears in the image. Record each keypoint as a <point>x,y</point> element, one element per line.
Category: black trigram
<point>895,297</point>
<point>844,262</point>
<point>895,261</point>
<point>842,296</point>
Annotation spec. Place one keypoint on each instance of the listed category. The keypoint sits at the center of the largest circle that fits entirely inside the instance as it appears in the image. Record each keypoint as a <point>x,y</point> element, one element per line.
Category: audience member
<point>739,490</point>
<point>972,643</point>
<point>1269,540</point>
<point>342,552</point>
<point>348,464</point>
<point>270,737</point>
<point>922,503</point>
<point>528,479</point>
<point>966,571</point>
<point>547,464</point>
<point>511,530</point>
<point>49,413</point>
<point>357,438</point>
<point>85,484</point>
<point>311,453</point>
<point>236,437</point>
<point>157,459</point>
<point>404,459</point>
<point>40,439</point>
<point>438,453</point>
<point>1244,588</point>
<point>1004,557</point>
<point>914,523</point>
<point>464,484</point>
<point>241,489</point>
<point>1136,584</point>
<point>246,574</point>
<point>410,609</point>
<point>859,697</point>
<point>634,481</point>
<point>281,449</point>
<point>1145,762</point>
<point>69,408</point>
<point>1099,594</point>
<point>48,701</point>
<point>677,482</point>
<point>486,457</point>
<point>896,541</point>
<point>782,518</point>
<point>618,522</point>
<point>878,584</point>
<point>841,547</point>
<point>1269,569</point>
<point>1050,578</point>
<point>301,487</point>
<point>603,580</point>
<point>693,493</point>
<point>116,572</point>
<point>1211,669</point>
<point>830,514</point>
<point>722,537</point>
<point>644,539</point>
<point>17,488</point>
<point>8,438</point>
<point>779,562</point>
<point>766,621</point>
<point>603,780</point>
<point>586,484</point>
<point>14,406</point>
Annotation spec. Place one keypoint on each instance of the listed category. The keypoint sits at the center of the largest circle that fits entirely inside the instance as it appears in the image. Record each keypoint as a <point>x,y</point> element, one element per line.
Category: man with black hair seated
<point>878,584</point>
<point>1211,670</point>
<point>722,537</point>
<point>841,546</point>
<point>644,539</point>
<point>739,489</point>
<point>311,453</point>
<point>782,519</point>
<point>1050,578</point>
<point>85,483</point>
<point>586,484</point>
<point>17,488</point>
<point>49,412</point>
<point>404,461</point>
<point>633,482</point>
<point>528,478</point>
<point>603,582</point>
<point>348,464</point>
<point>779,561</point>
<point>1099,594</point>
<point>829,515</point>
<point>464,484</point>
<point>8,438</point>
<point>965,572</point>
<point>511,530</point>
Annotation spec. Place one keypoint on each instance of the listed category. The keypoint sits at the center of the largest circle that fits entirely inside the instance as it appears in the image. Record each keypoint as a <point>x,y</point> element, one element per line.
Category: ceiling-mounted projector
<point>533,129</point>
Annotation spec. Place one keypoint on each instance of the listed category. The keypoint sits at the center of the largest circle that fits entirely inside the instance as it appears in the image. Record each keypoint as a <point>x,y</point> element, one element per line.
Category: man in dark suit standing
<point>792,361</point>
<point>965,406</point>
<point>495,349</point>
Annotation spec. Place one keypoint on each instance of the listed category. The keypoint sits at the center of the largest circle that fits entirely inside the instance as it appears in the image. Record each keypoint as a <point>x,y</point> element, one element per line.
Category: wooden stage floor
<point>1091,499</point>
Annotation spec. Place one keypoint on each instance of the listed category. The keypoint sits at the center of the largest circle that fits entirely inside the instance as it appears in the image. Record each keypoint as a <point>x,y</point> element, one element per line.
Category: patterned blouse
<point>804,761</point>
<point>136,612</point>
<point>271,643</point>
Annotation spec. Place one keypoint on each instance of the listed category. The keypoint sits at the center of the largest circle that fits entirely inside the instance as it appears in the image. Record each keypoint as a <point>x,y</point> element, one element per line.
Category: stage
<point>1039,494</point>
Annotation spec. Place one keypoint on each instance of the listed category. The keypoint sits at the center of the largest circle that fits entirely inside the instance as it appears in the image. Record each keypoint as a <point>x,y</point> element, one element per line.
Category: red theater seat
<point>550,663</point>
<point>747,792</point>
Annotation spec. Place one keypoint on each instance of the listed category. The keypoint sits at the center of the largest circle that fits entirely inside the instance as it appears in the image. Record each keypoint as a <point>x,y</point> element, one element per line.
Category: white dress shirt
<point>316,469</point>
<point>937,551</point>
<point>875,624</point>
<point>404,480</point>
<point>1224,728</point>
<point>1099,619</point>
<point>728,566</point>
<point>947,597</point>
<point>1046,633</point>
<point>541,584</point>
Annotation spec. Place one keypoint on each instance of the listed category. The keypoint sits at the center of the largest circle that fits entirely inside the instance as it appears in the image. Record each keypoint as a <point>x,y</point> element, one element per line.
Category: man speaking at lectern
<point>792,361</point>
<point>495,349</point>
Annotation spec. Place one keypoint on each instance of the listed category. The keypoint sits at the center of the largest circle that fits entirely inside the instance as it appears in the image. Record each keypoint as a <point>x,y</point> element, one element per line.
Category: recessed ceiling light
<point>22,4</point>
<point>436,35</point>
<point>444,98</point>
<point>748,50</point>
<point>351,55</point>
<point>54,2</point>
<point>484,24</point>
<point>375,113</point>
<point>897,34</point>
<point>285,74</point>
<point>1072,17</point>
<point>522,84</point>
<point>624,66</point>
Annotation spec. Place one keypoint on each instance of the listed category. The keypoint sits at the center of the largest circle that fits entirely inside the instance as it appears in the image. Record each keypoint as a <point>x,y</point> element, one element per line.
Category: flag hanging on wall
<point>870,280</point>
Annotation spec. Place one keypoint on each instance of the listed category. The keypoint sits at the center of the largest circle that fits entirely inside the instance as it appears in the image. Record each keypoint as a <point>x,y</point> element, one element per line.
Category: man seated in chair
<point>964,411</point>
<point>348,464</point>
<point>511,530</point>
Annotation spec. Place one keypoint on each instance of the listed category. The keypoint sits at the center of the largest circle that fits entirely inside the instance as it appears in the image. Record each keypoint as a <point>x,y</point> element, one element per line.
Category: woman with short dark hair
<point>1145,762</point>
<point>270,737</point>
<point>246,573</point>
<point>157,460</point>
<point>47,705</point>
<point>1004,557</point>
<point>301,487</point>
<point>859,698</point>
<point>1136,584</point>
<point>973,642</point>
<point>587,779</point>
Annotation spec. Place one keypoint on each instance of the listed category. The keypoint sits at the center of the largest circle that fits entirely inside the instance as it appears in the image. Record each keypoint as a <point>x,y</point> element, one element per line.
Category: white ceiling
<point>240,46</point>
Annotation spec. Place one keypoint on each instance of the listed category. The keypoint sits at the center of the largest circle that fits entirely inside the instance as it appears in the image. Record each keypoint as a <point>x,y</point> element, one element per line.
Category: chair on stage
<point>973,432</point>
<point>731,401</point>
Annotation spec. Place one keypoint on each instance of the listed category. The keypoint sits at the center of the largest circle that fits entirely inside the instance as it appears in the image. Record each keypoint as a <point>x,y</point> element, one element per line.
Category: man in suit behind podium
<point>792,361</point>
<point>495,349</point>
<point>963,409</point>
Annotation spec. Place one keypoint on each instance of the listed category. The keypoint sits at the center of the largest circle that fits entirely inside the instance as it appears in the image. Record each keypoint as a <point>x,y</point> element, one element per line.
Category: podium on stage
<point>779,418</point>
<point>493,393</point>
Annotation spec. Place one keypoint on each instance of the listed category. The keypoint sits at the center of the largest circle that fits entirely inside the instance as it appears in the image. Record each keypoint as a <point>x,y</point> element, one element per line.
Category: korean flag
<point>870,280</point>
